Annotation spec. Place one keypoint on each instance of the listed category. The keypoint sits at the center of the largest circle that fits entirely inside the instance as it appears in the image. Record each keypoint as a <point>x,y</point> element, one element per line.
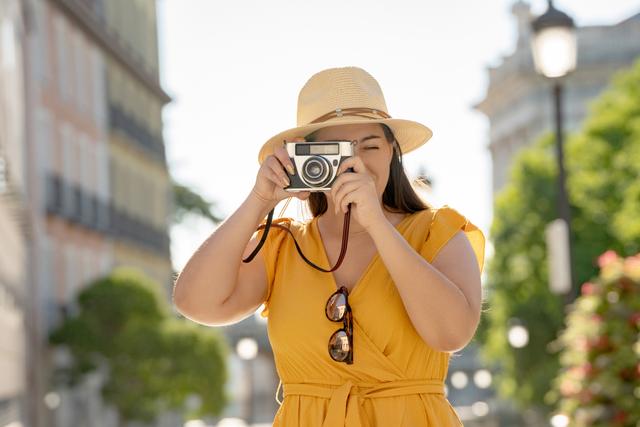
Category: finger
<point>282,155</point>
<point>274,164</point>
<point>358,165</point>
<point>350,197</point>
<point>346,164</point>
<point>341,180</point>
<point>275,167</point>
<point>344,190</point>
<point>274,178</point>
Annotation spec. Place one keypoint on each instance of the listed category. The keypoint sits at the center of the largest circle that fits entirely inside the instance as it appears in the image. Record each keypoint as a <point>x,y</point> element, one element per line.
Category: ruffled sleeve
<point>270,252</point>
<point>445,224</point>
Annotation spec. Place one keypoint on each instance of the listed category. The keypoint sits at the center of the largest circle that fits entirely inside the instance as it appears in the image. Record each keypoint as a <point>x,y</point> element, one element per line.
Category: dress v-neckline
<point>316,229</point>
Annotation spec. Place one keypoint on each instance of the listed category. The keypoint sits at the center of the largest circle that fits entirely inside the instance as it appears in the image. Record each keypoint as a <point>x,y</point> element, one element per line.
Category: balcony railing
<point>124,226</point>
<point>89,211</point>
<point>139,135</point>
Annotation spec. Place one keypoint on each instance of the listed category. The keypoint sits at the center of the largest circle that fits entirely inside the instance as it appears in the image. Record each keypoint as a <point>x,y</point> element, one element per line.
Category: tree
<point>187,201</point>
<point>600,381</point>
<point>602,163</point>
<point>153,361</point>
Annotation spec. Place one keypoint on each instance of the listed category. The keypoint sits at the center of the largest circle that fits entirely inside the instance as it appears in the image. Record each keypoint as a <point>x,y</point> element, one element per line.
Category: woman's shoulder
<point>285,225</point>
<point>445,224</point>
<point>421,217</point>
<point>431,213</point>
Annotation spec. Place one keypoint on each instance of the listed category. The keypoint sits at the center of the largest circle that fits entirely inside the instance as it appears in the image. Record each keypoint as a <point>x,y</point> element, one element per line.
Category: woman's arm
<point>210,277</point>
<point>442,298</point>
<point>216,287</point>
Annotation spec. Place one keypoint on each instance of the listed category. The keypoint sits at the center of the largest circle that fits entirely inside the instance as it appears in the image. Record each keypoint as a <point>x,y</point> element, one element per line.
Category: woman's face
<point>371,146</point>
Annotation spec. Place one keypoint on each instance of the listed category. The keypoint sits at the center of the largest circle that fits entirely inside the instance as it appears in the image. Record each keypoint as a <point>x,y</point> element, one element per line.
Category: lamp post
<point>247,349</point>
<point>555,53</point>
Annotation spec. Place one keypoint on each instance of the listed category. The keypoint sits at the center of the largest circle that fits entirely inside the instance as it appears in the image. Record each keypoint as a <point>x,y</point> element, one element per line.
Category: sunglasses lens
<point>336,307</point>
<point>339,346</point>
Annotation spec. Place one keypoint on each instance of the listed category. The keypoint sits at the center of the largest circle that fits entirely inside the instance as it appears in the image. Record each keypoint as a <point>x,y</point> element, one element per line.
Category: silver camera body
<point>316,163</point>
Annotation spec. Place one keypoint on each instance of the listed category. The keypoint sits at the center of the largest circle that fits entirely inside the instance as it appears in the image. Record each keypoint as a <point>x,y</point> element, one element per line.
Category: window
<point>70,275</point>
<point>47,277</point>
<point>97,89</point>
<point>102,170</point>
<point>62,59</point>
<point>44,33</point>
<point>84,163</point>
<point>44,142</point>
<point>65,135</point>
<point>81,73</point>
<point>70,167</point>
<point>7,43</point>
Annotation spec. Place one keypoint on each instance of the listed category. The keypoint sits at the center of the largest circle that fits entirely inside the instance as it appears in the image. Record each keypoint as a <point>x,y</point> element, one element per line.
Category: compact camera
<point>316,163</point>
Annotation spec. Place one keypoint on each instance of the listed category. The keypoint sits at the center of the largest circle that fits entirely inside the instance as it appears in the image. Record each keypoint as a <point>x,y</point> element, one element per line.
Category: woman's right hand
<point>273,177</point>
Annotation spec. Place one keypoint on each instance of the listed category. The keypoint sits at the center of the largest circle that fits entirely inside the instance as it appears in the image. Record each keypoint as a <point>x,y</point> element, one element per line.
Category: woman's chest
<point>358,260</point>
<point>299,327</point>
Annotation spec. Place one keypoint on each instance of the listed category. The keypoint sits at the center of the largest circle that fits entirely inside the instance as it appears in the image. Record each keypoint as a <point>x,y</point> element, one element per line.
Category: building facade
<point>87,186</point>
<point>13,229</point>
<point>519,102</point>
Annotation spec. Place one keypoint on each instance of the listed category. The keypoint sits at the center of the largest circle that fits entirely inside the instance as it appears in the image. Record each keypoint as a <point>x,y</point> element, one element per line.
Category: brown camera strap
<point>268,224</point>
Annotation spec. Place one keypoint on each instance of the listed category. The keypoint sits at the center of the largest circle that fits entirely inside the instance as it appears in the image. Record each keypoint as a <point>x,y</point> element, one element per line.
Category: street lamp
<point>518,336</point>
<point>555,54</point>
<point>247,349</point>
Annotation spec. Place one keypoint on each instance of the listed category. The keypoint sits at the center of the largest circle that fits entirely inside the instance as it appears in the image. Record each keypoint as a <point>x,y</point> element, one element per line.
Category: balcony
<point>139,135</point>
<point>125,227</point>
<point>89,15</point>
<point>73,204</point>
<point>78,207</point>
<point>53,194</point>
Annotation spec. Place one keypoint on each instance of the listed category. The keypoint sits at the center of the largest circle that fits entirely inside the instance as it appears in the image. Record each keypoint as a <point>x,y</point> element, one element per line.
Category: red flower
<point>607,258</point>
<point>620,417</point>
<point>626,284</point>
<point>582,344</point>
<point>589,288</point>
<point>599,343</point>
<point>634,319</point>
<point>586,397</point>
<point>587,369</point>
<point>627,374</point>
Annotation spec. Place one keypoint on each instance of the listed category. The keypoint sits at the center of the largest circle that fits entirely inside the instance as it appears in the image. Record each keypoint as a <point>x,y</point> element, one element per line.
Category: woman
<point>407,293</point>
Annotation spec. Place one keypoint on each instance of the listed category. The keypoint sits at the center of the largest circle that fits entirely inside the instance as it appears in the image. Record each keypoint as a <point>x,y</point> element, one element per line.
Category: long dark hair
<point>398,195</point>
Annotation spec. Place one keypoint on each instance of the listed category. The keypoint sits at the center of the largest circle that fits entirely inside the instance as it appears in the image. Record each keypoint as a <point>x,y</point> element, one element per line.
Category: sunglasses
<point>341,342</point>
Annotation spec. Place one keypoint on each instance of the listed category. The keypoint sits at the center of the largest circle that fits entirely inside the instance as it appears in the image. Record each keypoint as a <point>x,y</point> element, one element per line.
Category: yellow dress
<point>396,379</point>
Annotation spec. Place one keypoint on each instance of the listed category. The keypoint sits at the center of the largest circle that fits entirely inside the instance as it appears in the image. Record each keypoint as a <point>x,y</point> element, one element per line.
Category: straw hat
<point>341,96</point>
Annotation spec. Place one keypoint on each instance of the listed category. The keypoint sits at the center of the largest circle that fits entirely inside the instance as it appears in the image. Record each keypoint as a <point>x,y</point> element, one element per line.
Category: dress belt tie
<point>345,400</point>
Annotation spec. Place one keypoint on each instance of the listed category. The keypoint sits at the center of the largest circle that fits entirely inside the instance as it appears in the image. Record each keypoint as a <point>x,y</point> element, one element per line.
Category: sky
<point>234,70</point>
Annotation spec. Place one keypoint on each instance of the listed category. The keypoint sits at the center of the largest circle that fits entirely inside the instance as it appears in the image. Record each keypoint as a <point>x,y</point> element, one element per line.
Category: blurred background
<point>130,129</point>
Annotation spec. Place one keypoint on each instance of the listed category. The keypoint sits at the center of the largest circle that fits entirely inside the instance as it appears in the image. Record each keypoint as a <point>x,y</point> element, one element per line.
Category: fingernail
<point>285,180</point>
<point>291,170</point>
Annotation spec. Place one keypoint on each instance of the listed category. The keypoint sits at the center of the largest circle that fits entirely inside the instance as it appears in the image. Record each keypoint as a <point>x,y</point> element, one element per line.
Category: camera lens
<point>315,171</point>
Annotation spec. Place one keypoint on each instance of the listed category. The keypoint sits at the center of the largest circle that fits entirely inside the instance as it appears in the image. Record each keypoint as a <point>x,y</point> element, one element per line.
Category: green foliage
<point>599,385</point>
<point>602,163</point>
<point>187,201</point>
<point>154,361</point>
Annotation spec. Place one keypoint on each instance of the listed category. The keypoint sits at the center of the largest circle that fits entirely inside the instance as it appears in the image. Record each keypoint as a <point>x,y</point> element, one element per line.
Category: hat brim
<point>409,134</point>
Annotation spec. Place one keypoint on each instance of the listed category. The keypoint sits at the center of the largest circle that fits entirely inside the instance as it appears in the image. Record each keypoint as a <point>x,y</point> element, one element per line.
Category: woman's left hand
<point>359,189</point>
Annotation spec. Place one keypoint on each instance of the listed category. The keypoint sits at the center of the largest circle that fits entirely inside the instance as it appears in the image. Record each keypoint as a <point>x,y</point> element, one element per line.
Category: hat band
<point>360,112</point>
